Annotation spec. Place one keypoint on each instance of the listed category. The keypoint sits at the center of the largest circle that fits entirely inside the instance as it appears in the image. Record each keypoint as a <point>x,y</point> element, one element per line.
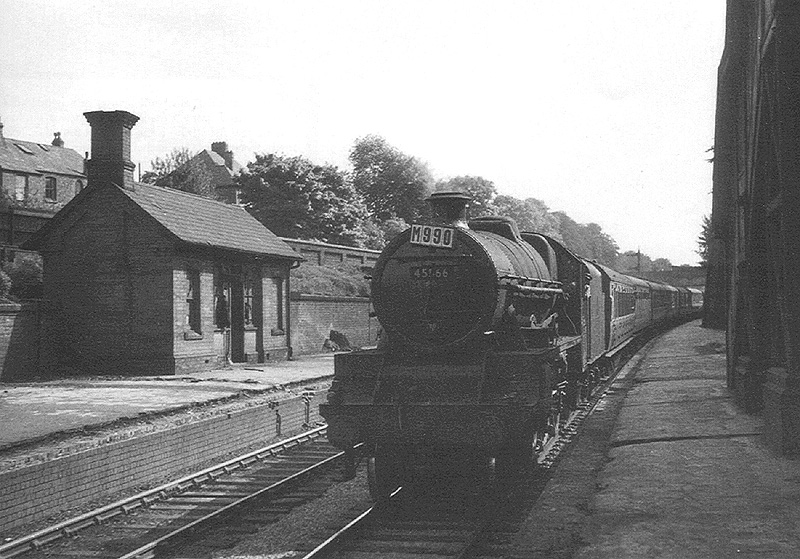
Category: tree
<point>530,214</point>
<point>294,197</point>
<point>392,183</point>
<point>588,241</point>
<point>182,170</point>
<point>602,247</point>
<point>481,191</point>
<point>702,241</point>
<point>662,265</point>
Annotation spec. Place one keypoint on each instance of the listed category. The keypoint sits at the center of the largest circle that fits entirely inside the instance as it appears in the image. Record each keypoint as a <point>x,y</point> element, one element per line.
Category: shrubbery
<point>5,285</point>
<point>25,275</point>
<point>344,281</point>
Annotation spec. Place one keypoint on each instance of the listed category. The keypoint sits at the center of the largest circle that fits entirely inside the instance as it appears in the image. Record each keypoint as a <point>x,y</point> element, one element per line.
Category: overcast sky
<point>604,110</point>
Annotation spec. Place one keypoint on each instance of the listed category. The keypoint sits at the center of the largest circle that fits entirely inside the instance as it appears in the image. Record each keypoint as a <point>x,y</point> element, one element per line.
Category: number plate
<point>433,274</point>
<point>432,236</point>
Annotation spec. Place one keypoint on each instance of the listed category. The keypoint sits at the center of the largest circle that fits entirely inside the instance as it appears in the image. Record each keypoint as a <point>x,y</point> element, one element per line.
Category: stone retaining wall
<point>314,316</point>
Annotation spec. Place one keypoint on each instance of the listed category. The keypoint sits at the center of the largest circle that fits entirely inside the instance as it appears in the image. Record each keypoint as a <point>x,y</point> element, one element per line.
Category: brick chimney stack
<point>221,148</point>
<point>111,148</point>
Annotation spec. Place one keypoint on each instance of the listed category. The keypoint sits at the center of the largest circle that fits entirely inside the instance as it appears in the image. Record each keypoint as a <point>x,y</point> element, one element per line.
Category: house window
<point>20,188</point>
<point>50,193</point>
<point>78,186</point>
<point>193,302</point>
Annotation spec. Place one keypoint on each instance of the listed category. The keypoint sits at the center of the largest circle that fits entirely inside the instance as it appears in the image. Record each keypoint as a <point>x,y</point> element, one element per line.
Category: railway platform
<point>668,466</point>
<point>36,410</point>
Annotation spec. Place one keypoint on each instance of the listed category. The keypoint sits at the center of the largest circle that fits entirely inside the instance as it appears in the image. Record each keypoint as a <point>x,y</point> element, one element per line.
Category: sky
<point>603,110</point>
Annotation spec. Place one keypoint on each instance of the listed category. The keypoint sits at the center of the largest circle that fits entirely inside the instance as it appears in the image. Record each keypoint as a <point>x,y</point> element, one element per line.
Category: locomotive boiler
<point>470,354</point>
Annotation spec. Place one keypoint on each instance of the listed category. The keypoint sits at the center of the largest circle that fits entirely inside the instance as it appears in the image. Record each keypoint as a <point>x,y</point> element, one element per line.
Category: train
<point>491,337</point>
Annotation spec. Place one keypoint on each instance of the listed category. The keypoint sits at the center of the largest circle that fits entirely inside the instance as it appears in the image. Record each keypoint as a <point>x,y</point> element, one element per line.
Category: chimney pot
<point>57,141</point>
<point>111,148</point>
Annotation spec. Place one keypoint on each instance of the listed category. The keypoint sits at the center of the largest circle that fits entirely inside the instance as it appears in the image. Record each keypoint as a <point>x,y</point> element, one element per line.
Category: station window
<point>249,290</point>
<point>50,192</point>
<point>279,325</point>
<point>193,302</point>
<point>78,186</point>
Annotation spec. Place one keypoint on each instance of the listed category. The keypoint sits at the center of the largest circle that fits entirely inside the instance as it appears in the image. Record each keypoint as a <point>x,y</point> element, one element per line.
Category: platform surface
<point>31,411</point>
<point>670,467</point>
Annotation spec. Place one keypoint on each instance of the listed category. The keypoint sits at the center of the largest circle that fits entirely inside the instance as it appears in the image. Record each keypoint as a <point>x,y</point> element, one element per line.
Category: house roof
<point>33,158</point>
<point>215,165</point>
<point>192,219</point>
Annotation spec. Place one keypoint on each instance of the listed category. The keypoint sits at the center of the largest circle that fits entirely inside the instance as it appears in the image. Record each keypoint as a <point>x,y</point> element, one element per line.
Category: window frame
<point>193,326</point>
<point>48,181</point>
<point>280,323</point>
<point>25,186</point>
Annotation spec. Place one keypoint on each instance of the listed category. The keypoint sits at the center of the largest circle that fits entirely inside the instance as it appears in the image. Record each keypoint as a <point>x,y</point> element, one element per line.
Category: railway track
<point>258,487</point>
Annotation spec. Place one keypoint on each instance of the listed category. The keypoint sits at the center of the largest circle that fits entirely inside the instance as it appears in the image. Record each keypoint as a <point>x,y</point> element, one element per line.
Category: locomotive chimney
<point>450,207</point>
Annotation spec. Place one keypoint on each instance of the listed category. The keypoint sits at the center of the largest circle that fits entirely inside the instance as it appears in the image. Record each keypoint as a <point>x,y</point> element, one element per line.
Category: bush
<point>344,281</point>
<point>5,285</point>
<point>25,273</point>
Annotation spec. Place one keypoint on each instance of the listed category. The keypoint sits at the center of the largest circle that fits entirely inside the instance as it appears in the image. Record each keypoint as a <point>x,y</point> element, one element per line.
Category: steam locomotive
<point>491,337</point>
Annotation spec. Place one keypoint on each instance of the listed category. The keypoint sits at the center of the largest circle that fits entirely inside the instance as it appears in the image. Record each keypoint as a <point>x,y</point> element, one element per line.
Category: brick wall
<point>314,316</point>
<point>319,253</point>
<point>35,492</point>
<point>19,340</point>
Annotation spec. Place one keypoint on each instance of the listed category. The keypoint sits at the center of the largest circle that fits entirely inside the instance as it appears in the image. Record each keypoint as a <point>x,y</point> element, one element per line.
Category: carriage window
<point>624,303</point>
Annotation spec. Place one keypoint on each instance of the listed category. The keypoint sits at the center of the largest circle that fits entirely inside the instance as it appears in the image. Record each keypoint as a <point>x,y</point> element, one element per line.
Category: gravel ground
<point>313,521</point>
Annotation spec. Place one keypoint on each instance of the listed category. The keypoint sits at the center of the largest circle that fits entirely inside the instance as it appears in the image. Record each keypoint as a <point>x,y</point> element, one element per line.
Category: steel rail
<point>35,541</point>
<point>329,543</point>
<point>151,546</point>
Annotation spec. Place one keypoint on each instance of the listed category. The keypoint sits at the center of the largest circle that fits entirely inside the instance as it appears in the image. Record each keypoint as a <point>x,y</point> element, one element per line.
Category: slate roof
<point>33,158</point>
<point>202,221</point>
<point>190,218</point>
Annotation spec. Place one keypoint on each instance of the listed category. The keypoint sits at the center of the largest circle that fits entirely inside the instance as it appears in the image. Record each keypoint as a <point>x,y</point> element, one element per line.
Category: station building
<point>141,279</point>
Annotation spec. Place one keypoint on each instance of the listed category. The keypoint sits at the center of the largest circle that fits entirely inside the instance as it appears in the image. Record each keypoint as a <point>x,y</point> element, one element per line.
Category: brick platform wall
<point>313,317</point>
<point>35,492</point>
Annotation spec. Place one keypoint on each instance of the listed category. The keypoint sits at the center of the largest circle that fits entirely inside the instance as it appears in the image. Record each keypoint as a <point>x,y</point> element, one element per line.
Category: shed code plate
<point>432,236</point>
